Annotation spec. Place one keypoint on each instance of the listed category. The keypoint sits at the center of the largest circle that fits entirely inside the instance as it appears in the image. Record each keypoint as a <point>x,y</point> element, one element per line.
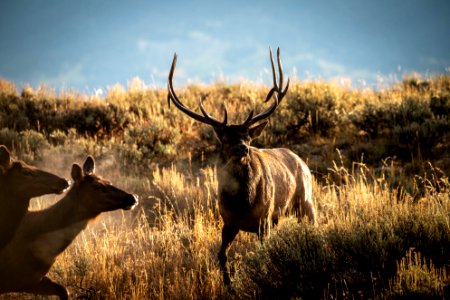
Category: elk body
<point>256,186</point>
<point>44,234</point>
<point>19,183</point>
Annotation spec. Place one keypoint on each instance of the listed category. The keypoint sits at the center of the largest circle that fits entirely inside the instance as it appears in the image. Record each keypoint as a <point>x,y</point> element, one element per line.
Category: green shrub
<point>353,260</point>
<point>156,139</point>
<point>12,113</point>
<point>31,145</point>
<point>9,138</point>
<point>318,105</point>
<point>295,262</point>
<point>417,278</point>
<point>96,121</point>
<point>440,104</point>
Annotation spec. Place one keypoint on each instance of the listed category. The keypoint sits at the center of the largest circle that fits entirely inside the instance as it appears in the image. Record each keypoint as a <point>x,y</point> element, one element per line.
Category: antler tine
<point>225,113</point>
<point>274,74</point>
<point>277,91</point>
<point>169,83</point>
<point>280,69</point>
<point>249,118</point>
<point>171,96</point>
<point>286,88</point>
<point>208,116</point>
<point>263,115</point>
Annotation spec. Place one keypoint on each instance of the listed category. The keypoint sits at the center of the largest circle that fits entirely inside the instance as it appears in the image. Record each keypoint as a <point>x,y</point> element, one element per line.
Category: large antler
<point>206,118</point>
<point>277,91</point>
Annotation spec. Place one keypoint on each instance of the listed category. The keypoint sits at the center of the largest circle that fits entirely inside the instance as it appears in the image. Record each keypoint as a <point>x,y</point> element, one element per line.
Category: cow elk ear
<point>5,157</point>
<point>77,173</point>
<point>89,165</point>
<point>256,131</point>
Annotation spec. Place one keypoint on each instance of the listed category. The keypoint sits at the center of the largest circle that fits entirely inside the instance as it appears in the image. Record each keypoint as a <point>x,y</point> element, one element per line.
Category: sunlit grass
<point>381,189</point>
<point>167,248</point>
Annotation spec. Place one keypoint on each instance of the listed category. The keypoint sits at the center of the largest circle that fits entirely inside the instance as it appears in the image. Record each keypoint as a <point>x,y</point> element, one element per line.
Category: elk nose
<point>241,150</point>
<point>130,202</point>
<point>62,186</point>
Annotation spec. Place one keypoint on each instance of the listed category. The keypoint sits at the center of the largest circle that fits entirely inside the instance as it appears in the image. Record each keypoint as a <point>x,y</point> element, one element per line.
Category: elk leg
<point>228,235</point>
<point>305,208</point>
<point>48,287</point>
<point>308,209</point>
<point>265,227</point>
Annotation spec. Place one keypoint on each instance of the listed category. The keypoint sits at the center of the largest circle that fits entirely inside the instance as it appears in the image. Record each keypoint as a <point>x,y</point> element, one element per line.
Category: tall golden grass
<point>383,222</point>
<point>167,248</point>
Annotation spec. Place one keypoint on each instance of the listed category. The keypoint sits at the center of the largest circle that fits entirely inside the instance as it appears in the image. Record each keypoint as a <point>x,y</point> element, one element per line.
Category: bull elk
<point>45,234</point>
<point>256,186</point>
<point>19,183</point>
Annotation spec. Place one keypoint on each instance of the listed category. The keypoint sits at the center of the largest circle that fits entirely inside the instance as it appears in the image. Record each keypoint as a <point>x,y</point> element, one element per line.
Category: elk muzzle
<point>241,150</point>
<point>130,202</point>
<point>237,153</point>
<point>62,186</point>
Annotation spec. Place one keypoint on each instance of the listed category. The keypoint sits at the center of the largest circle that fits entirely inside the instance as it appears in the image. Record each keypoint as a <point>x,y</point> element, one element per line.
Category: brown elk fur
<point>256,186</point>
<point>19,183</point>
<point>44,234</point>
<point>269,183</point>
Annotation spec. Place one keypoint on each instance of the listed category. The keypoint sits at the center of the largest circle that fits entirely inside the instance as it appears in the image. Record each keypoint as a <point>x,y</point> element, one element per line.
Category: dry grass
<point>371,212</point>
<point>167,248</point>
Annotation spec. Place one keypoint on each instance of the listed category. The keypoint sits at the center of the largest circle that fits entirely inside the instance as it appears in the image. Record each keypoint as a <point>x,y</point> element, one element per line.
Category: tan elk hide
<point>45,234</point>
<point>19,183</point>
<point>256,186</point>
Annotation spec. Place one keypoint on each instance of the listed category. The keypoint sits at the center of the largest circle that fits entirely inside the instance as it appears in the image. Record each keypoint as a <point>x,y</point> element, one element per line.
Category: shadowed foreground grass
<point>380,160</point>
<point>368,243</point>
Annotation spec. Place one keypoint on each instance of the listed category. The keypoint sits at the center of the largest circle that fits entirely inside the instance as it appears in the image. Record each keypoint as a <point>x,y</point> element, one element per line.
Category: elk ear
<point>77,173</point>
<point>89,165</point>
<point>5,157</point>
<point>256,131</point>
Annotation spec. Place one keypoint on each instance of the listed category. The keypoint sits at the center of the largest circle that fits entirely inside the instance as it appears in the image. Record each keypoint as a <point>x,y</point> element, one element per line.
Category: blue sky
<point>94,44</point>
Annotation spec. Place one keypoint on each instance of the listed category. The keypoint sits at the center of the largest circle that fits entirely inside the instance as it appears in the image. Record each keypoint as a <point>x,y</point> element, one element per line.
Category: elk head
<point>98,194</point>
<point>235,139</point>
<point>26,180</point>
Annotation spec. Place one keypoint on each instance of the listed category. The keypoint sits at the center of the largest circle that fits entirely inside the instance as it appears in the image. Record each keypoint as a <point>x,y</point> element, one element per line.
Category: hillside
<point>380,159</point>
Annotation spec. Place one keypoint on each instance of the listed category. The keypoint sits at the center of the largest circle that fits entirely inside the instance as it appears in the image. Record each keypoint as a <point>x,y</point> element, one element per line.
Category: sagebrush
<point>380,159</point>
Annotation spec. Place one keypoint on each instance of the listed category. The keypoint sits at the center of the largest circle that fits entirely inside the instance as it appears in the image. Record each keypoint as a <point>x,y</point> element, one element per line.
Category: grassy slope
<point>371,213</point>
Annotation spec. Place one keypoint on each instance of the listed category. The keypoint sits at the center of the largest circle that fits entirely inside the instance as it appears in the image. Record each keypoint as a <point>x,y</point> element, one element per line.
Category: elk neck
<point>239,168</point>
<point>11,202</point>
<point>235,181</point>
<point>13,207</point>
<point>50,231</point>
<point>67,212</point>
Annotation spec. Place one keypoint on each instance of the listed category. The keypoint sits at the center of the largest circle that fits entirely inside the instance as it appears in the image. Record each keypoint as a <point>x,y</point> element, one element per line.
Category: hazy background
<point>90,45</point>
